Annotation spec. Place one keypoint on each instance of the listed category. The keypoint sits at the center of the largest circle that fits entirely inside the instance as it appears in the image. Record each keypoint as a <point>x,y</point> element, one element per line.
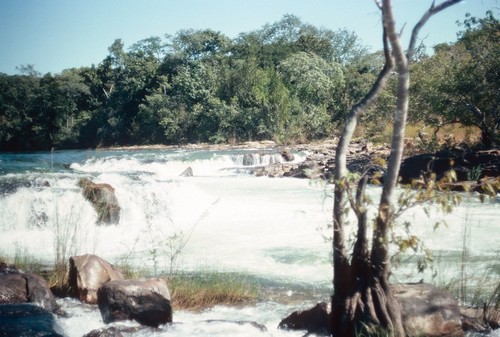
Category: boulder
<point>422,164</point>
<point>27,320</point>
<point>18,287</point>
<point>86,274</point>
<point>315,320</point>
<point>426,310</point>
<point>468,165</point>
<point>13,289</point>
<point>146,301</point>
<point>103,198</point>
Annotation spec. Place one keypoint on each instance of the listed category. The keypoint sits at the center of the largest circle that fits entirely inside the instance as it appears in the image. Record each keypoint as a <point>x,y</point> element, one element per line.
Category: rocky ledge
<point>320,160</point>
<point>473,167</point>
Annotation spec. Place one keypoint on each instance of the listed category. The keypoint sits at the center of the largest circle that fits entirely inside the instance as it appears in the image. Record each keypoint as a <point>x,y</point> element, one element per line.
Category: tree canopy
<point>288,81</point>
<point>459,82</point>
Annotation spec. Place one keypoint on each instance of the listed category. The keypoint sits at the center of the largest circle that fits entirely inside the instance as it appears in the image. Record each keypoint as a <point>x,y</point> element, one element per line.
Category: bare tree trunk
<point>362,295</point>
<point>340,257</point>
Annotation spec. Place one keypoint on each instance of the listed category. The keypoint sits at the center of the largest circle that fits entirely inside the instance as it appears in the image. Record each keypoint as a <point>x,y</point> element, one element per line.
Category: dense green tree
<point>459,83</point>
<point>285,81</point>
<point>312,83</point>
<point>18,100</point>
<point>199,44</point>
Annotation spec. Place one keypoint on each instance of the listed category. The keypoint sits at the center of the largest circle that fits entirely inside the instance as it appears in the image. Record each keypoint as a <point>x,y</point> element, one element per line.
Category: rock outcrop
<point>86,274</point>
<point>320,161</point>
<point>468,165</point>
<point>145,301</point>
<point>103,198</point>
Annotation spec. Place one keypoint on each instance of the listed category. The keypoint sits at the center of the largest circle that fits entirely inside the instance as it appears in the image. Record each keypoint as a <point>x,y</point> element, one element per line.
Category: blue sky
<point>58,34</point>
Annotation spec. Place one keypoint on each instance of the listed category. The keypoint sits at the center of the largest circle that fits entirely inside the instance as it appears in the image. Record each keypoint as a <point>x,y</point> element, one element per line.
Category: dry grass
<point>200,291</point>
<point>447,135</point>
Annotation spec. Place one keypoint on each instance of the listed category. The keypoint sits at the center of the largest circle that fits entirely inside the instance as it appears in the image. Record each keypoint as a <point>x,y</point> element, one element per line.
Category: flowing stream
<point>271,231</point>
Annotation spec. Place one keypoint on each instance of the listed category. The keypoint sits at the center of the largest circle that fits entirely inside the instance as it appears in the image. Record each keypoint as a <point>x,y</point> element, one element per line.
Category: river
<point>270,231</point>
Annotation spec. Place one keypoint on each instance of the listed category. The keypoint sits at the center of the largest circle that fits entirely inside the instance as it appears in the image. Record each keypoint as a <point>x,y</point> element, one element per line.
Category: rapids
<point>270,230</point>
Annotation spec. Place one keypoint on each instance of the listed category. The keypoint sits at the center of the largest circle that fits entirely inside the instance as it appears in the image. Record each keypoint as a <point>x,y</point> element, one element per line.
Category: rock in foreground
<point>145,301</point>
<point>86,274</point>
<point>18,287</point>
<point>27,320</point>
<point>427,311</point>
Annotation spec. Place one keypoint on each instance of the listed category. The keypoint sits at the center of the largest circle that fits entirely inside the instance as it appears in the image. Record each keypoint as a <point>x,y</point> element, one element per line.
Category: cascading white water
<point>269,229</point>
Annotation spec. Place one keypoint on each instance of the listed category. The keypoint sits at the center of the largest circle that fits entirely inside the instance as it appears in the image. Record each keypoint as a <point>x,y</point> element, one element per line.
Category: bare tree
<point>362,297</point>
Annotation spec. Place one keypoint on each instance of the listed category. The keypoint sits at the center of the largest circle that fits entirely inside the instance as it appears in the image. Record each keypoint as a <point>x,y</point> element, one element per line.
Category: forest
<point>288,81</point>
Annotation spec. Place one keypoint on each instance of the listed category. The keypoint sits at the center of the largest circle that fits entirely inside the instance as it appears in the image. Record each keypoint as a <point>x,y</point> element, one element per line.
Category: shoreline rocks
<point>474,169</point>
<point>320,160</point>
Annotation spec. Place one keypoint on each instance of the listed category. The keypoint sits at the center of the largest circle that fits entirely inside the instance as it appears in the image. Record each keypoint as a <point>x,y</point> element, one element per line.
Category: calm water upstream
<point>269,230</point>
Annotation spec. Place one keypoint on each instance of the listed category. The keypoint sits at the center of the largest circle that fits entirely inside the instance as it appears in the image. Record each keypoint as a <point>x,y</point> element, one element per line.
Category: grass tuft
<point>203,290</point>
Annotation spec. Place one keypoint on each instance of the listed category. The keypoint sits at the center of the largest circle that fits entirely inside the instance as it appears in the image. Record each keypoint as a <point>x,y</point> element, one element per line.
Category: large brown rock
<point>427,311</point>
<point>18,287</point>
<point>145,301</point>
<point>103,198</point>
<point>87,273</point>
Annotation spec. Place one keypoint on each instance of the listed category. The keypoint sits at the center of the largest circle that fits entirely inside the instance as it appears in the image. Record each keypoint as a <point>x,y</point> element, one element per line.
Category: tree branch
<point>433,9</point>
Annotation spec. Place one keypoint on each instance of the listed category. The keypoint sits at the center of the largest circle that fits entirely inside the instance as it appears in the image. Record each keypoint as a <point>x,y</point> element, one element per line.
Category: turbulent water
<point>269,230</point>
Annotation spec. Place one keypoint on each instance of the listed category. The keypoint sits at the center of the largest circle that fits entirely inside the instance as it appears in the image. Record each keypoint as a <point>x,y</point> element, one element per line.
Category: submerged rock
<point>315,320</point>
<point>26,320</point>
<point>145,301</point>
<point>103,198</point>
<point>187,172</point>
<point>118,331</point>
<point>254,324</point>
<point>86,274</point>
